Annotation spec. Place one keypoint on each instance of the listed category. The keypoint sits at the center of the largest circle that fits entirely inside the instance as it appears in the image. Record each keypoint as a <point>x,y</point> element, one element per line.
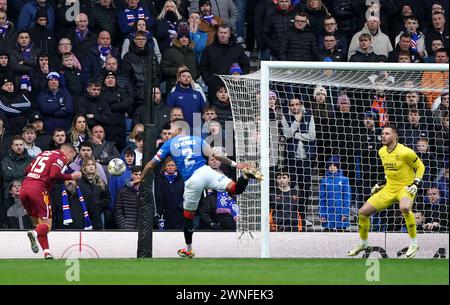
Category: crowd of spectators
<point>79,71</point>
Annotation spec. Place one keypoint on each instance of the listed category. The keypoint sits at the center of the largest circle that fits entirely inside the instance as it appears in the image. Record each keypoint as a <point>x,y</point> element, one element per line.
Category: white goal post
<point>274,75</point>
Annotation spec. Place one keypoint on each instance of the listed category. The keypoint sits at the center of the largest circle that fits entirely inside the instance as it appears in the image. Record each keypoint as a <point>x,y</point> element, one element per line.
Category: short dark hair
<point>442,50</point>
<point>58,129</point>
<point>393,127</point>
<point>128,151</point>
<point>17,137</point>
<point>209,108</point>
<point>136,168</point>
<point>405,35</point>
<point>86,143</point>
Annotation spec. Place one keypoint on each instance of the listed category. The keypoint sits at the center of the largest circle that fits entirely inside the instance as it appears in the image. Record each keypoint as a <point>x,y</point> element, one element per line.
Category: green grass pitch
<point>225,271</point>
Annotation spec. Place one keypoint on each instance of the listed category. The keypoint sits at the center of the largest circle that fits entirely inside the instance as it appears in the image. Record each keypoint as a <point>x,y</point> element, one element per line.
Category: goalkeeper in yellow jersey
<point>403,176</point>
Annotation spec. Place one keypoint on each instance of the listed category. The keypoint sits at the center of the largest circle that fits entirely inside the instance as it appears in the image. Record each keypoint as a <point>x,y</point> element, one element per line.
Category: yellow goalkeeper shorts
<point>387,196</point>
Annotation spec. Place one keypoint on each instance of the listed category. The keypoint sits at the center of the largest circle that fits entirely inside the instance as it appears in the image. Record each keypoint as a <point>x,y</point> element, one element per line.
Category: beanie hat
<point>273,94</point>
<point>183,29</point>
<point>109,73</point>
<point>6,80</point>
<point>203,2</point>
<point>235,68</point>
<point>53,75</point>
<point>336,160</point>
<point>320,89</point>
<point>41,13</point>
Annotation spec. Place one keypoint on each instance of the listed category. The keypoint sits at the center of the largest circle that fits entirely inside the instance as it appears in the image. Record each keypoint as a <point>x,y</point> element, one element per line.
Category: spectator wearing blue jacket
<point>334,197</point>
<point>132,13</point>
<point>115,183</point>
<point>188,99</point>
<point>55,104</point>
<point>29,11</point>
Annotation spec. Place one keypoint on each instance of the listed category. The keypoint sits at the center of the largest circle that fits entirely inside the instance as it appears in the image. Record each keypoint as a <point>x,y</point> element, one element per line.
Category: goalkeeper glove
<point>377,187</point>
<point>412,189</point>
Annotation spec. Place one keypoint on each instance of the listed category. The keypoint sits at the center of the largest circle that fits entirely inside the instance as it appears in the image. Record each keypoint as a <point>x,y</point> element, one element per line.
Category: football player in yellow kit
<point>403,176</point>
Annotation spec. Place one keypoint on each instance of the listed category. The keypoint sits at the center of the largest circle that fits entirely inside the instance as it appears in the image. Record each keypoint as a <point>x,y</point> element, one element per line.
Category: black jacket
<point>44,39</point>
<point>217,59</point>
<point>15,107</point>
<point>364,57</point>
<point>98,107</point>
<point>169,201</point>
<point>136,66</point>
<point>316,17</point>
<point>80,48</point>
<point>126,208</point>
<point>8,41</point>
<point>92,64</point>
<point>104,19</point>
<point>276,26</point>
<point>119,102</point>
<point>74,82</point>
<point>345,16</point>
<point>299,45</point>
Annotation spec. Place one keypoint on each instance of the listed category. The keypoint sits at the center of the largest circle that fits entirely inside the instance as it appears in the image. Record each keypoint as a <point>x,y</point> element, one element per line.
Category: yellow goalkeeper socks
<point>363,227</point>
<point>411,224</point>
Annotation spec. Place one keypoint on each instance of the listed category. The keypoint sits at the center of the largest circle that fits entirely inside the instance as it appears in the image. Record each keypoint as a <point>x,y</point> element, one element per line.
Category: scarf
<point>104,52</point>
<point>26,51</point>
<point>415,41</point>
<point>4,28</point>
<point>67,217</point>
<point>25,83</point>
<point>208,18</point>
<point>81,34</point>
<point>227,205</point>
<point>169,177</point>
<point>379,107</point>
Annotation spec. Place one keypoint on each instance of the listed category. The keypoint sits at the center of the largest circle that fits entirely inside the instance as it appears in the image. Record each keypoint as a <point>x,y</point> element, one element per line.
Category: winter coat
<point>316,17</point>
<point>128,15</point>
<point>217,59</point>
<point>65,25</point>
<point>43,140</point>
<point>92,64</point>
<point>285,210</point>
<point>104,152</point>
<point>225,9</point>
<point>105,19</point>
<point>116,183</point>
<point>223,110</point>
<point>44,39</point>
<point>8,40</point>
<point>299,45</point>
<point>336,55</point>
<point>164,33</point>
<point>39,82</point>
<point>56,109</point>
<point>27,16</point>
<point>119,102</point>
<point>16,215</point>
<point>276,27</point>
<point>169,201</point>
<point>126,208</point>
<point>189,100</point>
<point>334,200</point>
<point>13,166</point>
<point>136,68</point>
<point>344,15</point>
<point>94,195</point>
<point>15,107</point>
<point>381,43</point>
<point>80,48</point>
<point>5,141</point>
<point>300,136</point>
<point>176,56</point>
<point>74,81</point>
<point>360,56</point>
<point>29,65</point>
<point>96,106</point>
<point>341,42</point>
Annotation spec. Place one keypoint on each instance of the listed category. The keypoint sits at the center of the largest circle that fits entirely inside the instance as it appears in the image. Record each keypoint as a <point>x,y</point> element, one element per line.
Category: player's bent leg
<point>237,188</point>
<point>42,229</point>
<point>364,214</point>
<point>406,209</point>
<point>188,232</point>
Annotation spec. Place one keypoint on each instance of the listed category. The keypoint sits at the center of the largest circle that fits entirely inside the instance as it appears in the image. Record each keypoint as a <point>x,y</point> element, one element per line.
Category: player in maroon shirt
<point>40,176</point>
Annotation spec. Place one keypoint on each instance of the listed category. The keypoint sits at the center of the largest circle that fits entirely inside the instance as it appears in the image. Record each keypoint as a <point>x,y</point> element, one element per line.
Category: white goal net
<point>315,129</point>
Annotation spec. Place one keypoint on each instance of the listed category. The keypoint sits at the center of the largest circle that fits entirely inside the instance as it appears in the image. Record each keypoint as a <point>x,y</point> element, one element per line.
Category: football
<point>116,167</point>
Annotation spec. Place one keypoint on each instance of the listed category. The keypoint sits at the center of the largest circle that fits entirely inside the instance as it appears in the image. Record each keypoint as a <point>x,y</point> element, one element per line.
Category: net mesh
<point>324,117</point>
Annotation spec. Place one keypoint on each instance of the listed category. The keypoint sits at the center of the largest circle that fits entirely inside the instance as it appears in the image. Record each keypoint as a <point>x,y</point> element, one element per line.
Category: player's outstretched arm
<point>148,167</point>
<point>209,151</point>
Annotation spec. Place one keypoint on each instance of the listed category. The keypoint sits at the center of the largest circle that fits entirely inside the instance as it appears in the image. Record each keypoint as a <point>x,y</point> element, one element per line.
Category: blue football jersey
<point>186,151</point>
